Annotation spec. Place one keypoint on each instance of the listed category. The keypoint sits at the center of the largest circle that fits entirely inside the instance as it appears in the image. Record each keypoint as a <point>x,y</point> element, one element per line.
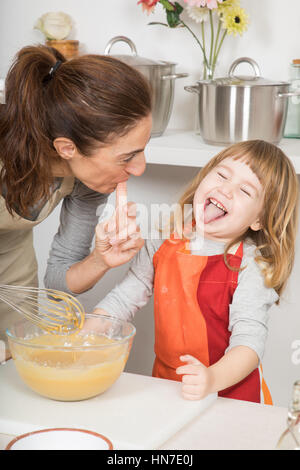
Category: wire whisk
<point>51,310</point>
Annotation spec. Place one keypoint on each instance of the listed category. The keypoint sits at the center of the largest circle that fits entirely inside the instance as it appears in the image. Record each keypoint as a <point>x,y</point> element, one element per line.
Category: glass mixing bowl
<point>71,367</point>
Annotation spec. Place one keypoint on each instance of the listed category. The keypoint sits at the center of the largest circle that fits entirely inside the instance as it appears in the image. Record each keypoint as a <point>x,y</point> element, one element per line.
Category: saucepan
<point>236,108</point>
<point>161,76</point>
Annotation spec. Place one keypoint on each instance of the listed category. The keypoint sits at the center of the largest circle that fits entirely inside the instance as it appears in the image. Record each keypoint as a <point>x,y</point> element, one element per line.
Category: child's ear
<point>256,226</point>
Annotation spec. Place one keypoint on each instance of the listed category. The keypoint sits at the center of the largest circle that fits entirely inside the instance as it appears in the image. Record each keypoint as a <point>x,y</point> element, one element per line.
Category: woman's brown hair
<point>276,239</point>
<point>90,100</point>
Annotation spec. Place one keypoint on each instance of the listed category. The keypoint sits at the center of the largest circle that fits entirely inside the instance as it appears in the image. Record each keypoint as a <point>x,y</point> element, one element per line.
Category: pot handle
<point>286,95</point>
<point>192,89</point>
<point>174,75</point>
<point>120,39</point>
<point>252,62</point>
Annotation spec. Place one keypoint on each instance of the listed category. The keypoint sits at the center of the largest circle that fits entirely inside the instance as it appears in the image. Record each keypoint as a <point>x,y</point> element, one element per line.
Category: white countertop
<point>220,424</point>
<point>136,412</point>
<point>226,424</point>
<point>232,425</point>
<point>186,148</point>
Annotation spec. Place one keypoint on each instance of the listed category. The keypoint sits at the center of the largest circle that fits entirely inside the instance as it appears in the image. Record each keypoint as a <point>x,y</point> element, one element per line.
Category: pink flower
<point>148,5</point>
<point>196,3</point>
<point>211,4</point>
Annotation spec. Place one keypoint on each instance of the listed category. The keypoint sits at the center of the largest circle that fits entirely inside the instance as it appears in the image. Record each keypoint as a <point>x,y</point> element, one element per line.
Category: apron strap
<point>239,250</point>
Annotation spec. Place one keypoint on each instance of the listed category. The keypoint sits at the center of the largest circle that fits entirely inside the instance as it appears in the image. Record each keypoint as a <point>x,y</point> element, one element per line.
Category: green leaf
<point>167,5</point>
<point>173,19</point>
<point>179,8</point>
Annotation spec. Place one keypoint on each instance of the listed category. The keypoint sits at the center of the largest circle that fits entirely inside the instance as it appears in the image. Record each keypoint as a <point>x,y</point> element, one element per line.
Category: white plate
<point>60,439</point>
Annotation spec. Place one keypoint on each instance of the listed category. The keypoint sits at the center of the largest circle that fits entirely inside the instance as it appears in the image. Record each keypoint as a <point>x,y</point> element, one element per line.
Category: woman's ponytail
<point>24,138</point>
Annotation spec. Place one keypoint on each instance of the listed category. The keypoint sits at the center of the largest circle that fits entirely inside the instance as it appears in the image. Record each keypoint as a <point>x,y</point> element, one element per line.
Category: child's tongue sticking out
<point>212,212</point>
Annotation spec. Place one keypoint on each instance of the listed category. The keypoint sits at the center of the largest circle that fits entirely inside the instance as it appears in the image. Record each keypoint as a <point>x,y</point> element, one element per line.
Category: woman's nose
<point>137,166</point>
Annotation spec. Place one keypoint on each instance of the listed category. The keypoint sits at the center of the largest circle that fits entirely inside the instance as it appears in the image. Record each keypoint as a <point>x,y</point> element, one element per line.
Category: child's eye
<point>245,192</point>
<point>222,175</point>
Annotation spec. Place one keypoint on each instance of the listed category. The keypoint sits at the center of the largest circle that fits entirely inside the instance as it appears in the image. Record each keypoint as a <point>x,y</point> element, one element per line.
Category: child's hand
<point>197,379</point>
<point>119,238</point>
<point>93,325</point>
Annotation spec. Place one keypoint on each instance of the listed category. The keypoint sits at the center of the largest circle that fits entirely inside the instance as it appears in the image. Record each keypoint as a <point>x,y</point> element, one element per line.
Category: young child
<point>212,294</point>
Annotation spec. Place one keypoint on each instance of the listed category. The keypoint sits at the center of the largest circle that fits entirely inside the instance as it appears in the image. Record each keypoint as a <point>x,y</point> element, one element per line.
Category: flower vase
<point>208,72</point>
<point>67,47</point>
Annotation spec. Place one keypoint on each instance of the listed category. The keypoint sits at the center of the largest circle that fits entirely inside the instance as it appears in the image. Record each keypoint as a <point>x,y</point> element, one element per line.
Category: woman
<point>71,131</point>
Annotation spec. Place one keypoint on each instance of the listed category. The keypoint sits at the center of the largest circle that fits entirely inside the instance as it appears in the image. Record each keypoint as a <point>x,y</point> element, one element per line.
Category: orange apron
<point>192,295</point>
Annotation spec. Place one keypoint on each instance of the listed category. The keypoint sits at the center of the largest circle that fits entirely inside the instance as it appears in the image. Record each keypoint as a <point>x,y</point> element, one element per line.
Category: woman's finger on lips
<point>121,206</point>
<point>121,195</point>
<point>120,218</point>
<point>131,210</point>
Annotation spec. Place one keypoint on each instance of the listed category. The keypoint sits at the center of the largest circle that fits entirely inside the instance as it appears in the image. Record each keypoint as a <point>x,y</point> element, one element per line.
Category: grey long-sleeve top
<point>78,218</point>
<point>248,313</point>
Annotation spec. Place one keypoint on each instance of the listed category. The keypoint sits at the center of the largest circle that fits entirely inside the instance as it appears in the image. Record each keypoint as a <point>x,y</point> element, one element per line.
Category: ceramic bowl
<point>60,439</point>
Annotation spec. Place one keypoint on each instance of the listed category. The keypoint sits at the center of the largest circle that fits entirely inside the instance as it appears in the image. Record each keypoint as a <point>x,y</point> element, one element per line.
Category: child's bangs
<point>259,166</point>
<point>261,157</point>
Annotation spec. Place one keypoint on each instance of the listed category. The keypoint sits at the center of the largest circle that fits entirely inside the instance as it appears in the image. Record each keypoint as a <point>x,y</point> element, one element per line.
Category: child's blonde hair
<point>279,217</point>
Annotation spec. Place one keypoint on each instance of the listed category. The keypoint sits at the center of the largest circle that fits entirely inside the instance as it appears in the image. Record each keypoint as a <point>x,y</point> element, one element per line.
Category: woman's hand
<point>119,239</point>
<point>197,379</point>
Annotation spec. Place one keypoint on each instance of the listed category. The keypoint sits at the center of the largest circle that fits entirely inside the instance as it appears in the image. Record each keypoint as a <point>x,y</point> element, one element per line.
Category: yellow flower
<point>235,20</point>
<point>227,4</point>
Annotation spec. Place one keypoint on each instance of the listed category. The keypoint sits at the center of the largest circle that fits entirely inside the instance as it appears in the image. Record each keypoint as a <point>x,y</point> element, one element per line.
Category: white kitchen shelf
<point>186,148</point>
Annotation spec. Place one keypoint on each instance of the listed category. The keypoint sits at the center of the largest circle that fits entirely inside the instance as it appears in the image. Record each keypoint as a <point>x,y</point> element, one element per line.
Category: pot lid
<point>245,80</point>
<point>133,60</point>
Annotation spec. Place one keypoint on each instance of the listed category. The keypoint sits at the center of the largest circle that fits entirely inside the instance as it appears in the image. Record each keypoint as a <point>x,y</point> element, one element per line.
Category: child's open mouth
<point>213,210</point>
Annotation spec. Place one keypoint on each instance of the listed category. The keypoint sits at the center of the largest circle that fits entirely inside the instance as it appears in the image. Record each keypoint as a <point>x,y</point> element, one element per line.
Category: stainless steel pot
<point>161,76</point>
<point>237,108</point>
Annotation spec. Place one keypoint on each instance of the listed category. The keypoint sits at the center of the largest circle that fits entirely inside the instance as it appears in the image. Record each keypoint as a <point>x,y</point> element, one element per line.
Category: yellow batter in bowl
<point>73,367</point>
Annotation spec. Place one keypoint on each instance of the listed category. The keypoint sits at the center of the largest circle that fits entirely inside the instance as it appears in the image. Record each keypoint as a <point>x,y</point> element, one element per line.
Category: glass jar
<point>290,439</point>
<point>292,126</point>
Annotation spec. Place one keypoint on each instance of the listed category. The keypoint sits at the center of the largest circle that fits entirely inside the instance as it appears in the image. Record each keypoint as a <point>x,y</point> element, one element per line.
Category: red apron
<point>192,295</point>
